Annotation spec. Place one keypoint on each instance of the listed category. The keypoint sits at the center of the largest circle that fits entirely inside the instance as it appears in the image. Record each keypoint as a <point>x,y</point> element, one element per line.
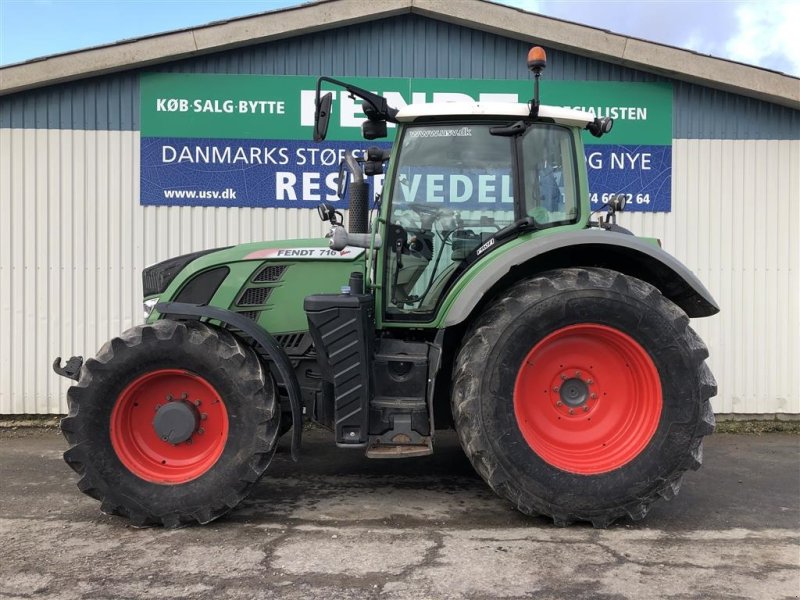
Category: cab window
<point>453,189</point>
<point>549,174</point>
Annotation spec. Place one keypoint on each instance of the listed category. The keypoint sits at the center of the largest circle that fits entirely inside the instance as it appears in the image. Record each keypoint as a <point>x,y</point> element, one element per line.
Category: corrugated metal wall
<point>73,243</point>
<point>73,237</point>
<point>734,222</point>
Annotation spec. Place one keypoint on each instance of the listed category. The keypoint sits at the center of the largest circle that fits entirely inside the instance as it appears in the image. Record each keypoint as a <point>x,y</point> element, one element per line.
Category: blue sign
<point>244,173</point>
<point>642,173</point>
<point>293,174</point>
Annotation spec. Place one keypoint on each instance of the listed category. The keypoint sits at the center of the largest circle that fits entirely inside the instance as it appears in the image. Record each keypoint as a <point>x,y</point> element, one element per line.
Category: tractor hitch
<point>71,370</point>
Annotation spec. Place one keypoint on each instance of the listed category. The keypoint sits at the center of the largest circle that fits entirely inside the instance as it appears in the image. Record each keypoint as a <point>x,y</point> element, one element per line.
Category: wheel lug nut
<point>555,389</point>
<point>594,396</point>
<point>559,403</point>
<point>577,374</point>
<point>189,441</point>
<point>590,381</point>
<point>184,395</point>
<point>201,431</point>
<point>572,412</point>
<point>196,402</point>
<point>158,406</point>
<point>563,377</point>
<point>203,416</point>
<point>169,398</point>
<point>585,409</point>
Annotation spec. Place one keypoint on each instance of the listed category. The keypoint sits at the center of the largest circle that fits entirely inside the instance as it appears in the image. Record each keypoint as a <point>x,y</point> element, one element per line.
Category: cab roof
<point>564,116</point>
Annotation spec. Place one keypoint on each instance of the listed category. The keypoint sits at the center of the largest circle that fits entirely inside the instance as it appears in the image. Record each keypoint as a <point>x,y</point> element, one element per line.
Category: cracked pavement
<point>338,525</point>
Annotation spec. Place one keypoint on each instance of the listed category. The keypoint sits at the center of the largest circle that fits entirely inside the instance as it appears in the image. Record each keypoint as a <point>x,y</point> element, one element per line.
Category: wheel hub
<point>574,392</point>
<point>176,421</point>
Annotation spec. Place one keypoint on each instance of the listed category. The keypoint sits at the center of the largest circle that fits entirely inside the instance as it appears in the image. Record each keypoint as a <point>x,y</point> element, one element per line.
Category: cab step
<point>379,449</point>
<point>399,442</point>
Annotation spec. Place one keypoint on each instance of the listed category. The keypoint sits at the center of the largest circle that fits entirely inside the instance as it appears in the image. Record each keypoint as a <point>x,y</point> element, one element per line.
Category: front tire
<point>582,394</point>
<point>171,423</point>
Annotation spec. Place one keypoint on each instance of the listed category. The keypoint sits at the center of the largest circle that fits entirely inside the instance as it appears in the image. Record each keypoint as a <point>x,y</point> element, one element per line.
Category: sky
<point>763,33</point>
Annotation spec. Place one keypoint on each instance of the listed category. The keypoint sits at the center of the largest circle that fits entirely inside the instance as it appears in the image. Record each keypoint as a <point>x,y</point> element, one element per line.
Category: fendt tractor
<point>553,340</point>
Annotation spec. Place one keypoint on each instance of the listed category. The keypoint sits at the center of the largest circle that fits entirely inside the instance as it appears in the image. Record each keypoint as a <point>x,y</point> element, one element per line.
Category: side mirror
<point>322,115</point>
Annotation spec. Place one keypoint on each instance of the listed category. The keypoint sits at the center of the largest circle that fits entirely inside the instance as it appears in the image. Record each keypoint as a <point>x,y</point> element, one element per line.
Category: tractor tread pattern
<point>251,381</point>
<point>474,353</point>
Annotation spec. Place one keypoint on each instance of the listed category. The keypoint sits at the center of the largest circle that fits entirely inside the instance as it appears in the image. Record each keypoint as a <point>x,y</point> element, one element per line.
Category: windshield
<point>454,188</point>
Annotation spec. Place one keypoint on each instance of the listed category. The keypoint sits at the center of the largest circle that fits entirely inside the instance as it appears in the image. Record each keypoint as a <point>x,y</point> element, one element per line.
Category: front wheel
<point>171,423</point>
<point>583,394</point>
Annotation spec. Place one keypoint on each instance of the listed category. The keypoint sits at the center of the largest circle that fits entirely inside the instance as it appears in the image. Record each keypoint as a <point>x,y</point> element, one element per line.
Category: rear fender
<point>586,248</point>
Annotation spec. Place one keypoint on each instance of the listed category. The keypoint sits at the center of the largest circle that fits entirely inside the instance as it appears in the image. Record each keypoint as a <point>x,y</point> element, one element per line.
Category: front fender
<point>588,247</point>
<point>265,341</point>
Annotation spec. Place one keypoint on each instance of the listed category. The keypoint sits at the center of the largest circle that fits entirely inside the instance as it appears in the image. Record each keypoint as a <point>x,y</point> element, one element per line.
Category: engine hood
<point>266,281</point>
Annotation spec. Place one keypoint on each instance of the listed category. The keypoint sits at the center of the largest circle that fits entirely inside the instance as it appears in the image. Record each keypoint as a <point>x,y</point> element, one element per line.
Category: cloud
<point>767,35</point>
<point>762,33</point>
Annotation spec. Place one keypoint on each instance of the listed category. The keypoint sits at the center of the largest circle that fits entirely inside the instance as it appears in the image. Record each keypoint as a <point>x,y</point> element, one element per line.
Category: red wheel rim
<point>139,447</point>
<point>587,399</point>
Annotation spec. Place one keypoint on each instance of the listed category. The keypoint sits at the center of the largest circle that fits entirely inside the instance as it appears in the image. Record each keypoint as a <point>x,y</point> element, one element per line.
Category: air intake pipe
<point>359,194</point>
<point>359,207</point>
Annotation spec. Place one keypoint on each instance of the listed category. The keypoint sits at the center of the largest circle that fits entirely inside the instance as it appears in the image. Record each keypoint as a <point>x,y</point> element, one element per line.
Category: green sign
<point>272,107</point>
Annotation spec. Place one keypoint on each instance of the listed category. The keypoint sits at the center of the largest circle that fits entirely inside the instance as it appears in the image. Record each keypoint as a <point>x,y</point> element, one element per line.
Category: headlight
<point>148,306</point>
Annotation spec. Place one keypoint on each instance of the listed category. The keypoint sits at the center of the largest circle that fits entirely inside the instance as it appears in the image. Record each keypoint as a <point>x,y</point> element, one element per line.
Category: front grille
<point>250,314</point>
<point>270,273</point>
<point>255,296</point>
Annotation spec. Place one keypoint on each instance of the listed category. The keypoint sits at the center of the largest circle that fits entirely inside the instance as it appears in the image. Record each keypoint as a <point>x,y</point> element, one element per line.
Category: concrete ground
<point>340,526</point>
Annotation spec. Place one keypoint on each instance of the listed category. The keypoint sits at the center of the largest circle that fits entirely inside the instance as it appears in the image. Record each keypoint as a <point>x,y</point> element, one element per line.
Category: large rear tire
<point>171,423</point>
<point>583,394</point>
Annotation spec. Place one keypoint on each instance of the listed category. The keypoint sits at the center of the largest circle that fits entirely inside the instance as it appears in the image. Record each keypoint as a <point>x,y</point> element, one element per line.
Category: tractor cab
<point>464,179</point>
<point>462,184</point>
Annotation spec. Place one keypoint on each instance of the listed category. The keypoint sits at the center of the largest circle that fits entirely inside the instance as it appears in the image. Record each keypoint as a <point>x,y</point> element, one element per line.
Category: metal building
<point>75,234</point>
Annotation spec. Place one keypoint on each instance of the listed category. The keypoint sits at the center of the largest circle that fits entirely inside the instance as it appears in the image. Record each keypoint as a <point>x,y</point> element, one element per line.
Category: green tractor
<point>557,345</point>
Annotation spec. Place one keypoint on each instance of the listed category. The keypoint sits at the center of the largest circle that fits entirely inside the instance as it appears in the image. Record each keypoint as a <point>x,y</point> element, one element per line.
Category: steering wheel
<point>423,209</point>
<point>427,214</point>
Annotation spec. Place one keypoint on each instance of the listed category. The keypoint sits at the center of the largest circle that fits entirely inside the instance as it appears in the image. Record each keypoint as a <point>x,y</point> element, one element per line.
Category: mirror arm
<point>375,107</point>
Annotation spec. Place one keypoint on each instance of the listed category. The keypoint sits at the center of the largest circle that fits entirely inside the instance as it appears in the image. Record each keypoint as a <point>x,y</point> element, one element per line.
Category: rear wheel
<point>171,423</point>
<point>582,394</point>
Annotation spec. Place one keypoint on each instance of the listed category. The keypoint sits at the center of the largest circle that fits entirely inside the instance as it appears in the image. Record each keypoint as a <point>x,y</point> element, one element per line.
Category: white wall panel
<point>73,243</point>
<point>735,221</point>
<point>74,240</point>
